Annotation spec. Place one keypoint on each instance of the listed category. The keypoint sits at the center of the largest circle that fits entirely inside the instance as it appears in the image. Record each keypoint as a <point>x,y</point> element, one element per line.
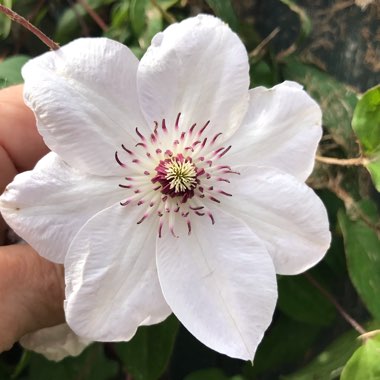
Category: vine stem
<point>98,20</point>
<point>26,24</point>
<point>357,161</point>
<point>356,325</point>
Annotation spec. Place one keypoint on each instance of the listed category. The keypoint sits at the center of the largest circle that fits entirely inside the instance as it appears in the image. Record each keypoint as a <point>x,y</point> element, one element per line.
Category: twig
<point>99,21</point>
<point>26,24</point>
<point>357,161</point>
<point>256,51</point>
<point>358,327</point>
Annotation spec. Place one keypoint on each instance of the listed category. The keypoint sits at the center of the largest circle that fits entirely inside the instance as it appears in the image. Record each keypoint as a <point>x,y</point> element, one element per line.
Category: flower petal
<point>285,213</point>
<point>198,67</point>
<point>282,129</point>
<point>48,206</point>
<point>85,100</point>
<point>111,277</point>
<point>220,283</point>
<point>55,343</point>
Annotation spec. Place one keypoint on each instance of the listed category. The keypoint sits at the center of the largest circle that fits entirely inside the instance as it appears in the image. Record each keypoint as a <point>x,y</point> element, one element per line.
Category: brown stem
<point>26,24</point>
<point>357,161</point>
<point>256,52</point>
<point>358,327</point>
<point>99,21</point>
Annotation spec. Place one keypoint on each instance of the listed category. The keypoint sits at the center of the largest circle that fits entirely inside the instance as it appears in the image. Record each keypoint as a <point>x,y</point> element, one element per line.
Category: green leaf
<point>69,25</point>
<point>366,124</point>
<point>211,374</point>
<point>223,9</point>
<point>365,362</point>
<point>329,364</point>
<point>146,356</point>
<point>207,374</point>
<point>5,22</point>
<point>137,15</point>
<point>285,343</point>
<point>10,70</point>
<point>336,100</point>
<point>302,302</point>
<point>91,364</point>
<point>362,247</point>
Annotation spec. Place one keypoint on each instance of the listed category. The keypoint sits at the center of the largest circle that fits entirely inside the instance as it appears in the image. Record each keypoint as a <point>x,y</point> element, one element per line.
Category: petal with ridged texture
<point>285,213</point>
<point>282,129</point>
<point>55,343</point>
<point>48,206</point>
<point>84,97</point>
<point>198,67</point>
<point>111,277</point>
<point>220,283</point>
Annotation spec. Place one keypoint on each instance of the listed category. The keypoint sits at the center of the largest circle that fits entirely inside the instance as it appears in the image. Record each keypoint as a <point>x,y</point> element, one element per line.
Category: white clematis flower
<point>172,187</point>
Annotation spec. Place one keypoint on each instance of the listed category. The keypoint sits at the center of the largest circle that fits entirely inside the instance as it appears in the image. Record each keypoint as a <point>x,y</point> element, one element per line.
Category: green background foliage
<point>313,335</point>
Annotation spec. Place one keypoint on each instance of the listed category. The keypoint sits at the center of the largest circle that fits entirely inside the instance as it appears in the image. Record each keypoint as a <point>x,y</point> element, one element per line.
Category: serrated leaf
<point>364,363</point>
<point>362,247</point>
<point>10,70</point>
<point>301,301</point>
<point>366,124</point>
<point>146,356</point>
<point>223,9</point>
<point>336,100</point>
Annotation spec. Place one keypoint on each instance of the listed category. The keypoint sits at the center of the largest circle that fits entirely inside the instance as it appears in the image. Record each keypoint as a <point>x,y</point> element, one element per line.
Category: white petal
<point>85,100</point>
<point>55,343</point>
<point>198,67</point>
<point>111,277</point>
<point>48,206</point>
<point>285,213</point>
<point>282,129</point>
<point>220,283</point>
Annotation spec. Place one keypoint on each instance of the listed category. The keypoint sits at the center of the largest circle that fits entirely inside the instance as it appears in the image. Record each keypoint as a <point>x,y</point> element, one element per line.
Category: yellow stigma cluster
<point>181,175</point>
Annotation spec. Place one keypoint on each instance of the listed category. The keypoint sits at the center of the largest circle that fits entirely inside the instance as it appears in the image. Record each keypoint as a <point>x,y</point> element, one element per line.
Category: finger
<point>20,144</point>
<point>18,134</point>
<point>31,293</point>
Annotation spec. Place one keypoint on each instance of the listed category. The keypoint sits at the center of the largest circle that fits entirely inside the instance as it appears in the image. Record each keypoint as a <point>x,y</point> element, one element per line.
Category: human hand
<point>31,288</point>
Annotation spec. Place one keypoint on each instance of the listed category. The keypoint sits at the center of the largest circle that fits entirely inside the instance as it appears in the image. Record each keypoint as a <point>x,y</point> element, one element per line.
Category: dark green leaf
<point>211,374</point>
<point>146,356</point>
<point>91,364</point>
<point>10,70</point>
<point>207,374</point>
<point>365,362</point>
<point>362,247</point>
<point>329,364</point>
<point>302,302</point>
<point>286,342</point>
<point>223,9</point>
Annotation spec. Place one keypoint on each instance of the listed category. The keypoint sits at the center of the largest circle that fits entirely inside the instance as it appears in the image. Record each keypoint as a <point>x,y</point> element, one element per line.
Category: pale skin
<point>31,288</point>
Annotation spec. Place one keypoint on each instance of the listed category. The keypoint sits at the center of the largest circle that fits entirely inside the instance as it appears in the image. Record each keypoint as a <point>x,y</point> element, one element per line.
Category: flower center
<point>177,176</point>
